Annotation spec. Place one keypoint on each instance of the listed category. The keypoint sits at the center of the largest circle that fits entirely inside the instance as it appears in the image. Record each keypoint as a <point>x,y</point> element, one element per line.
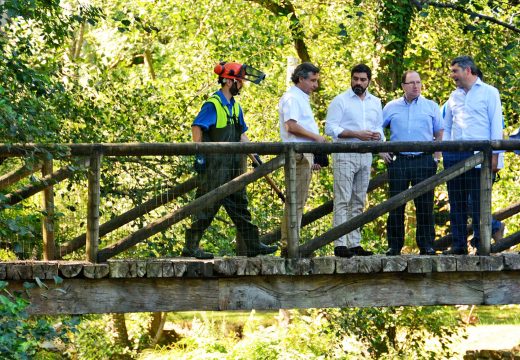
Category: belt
<point>412,156</point>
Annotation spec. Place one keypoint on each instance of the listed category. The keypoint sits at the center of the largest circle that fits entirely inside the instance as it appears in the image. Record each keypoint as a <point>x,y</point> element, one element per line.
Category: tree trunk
<point>392,36</point>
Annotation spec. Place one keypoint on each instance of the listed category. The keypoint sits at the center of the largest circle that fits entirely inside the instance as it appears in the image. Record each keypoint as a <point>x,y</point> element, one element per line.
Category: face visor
<point>238,71</point>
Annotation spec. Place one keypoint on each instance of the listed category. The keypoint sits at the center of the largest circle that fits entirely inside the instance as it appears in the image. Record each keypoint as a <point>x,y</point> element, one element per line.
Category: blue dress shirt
<point>207,116</point>
<point>418,120</point>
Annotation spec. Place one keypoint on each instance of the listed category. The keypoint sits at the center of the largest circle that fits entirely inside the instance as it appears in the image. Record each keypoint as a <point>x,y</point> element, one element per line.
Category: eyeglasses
<point>412,83</point>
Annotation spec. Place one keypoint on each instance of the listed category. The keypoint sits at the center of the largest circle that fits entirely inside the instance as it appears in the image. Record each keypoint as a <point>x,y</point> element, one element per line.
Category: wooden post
<point>293,230</point>
<point>94,196</point>
<point>486,182</point>
<point>48,217</point>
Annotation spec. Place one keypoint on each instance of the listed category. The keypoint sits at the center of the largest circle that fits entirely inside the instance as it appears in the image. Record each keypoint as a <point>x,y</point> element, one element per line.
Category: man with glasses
<point>473,112</point>
<point>354,115</point>
<point>411,118</point>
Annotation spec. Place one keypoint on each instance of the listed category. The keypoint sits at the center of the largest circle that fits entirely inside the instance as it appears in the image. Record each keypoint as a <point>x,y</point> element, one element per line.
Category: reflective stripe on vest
<point>223,116</point>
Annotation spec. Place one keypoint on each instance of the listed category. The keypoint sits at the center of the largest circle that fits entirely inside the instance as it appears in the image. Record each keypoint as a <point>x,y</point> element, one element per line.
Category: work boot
<point>260,249</point>
<point>191,248</point>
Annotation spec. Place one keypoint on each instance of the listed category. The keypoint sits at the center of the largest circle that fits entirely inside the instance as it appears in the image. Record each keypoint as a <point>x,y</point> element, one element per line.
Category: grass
<point>480,315</point>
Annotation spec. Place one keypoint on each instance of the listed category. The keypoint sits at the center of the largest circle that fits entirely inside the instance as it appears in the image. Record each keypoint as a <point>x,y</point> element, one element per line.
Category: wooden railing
<point>90,157</point>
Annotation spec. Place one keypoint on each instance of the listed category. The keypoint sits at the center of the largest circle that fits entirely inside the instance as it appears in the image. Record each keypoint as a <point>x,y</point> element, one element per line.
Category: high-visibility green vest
<point>224,118</point>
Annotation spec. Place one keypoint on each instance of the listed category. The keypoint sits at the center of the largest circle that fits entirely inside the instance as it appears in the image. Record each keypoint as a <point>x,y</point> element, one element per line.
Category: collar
<point>300,92</point>
<point>411,102</point>
<point>351,94</point>
<point>224,100</point>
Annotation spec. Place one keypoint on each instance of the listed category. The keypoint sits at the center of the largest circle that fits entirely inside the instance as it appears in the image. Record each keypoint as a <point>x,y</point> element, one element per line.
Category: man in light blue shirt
<point>411,118</point>
<point>473,112</point>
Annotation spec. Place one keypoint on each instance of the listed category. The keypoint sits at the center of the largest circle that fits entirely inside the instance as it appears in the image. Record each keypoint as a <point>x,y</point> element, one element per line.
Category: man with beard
<point>354,115</point>
<point>473,112</point>
<point>221,119</point>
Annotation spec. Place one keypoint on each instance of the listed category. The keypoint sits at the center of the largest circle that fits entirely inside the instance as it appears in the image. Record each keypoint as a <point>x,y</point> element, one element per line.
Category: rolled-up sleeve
<point>333,119</point>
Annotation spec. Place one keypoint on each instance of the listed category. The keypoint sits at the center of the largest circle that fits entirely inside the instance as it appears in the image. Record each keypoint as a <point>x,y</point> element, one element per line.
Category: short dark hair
<point>361,68</point>
<point>480,74</point>
<point>405,74</point>
<point>465,62</point>
<point>304,70</point>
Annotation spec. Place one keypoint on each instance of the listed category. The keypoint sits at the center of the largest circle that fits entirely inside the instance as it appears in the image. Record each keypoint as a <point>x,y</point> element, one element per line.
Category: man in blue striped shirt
<point>411,118</point>
<point>473,112</point>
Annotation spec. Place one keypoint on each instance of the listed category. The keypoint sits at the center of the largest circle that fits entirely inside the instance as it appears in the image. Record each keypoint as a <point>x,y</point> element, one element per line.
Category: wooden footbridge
<point>100,283</point>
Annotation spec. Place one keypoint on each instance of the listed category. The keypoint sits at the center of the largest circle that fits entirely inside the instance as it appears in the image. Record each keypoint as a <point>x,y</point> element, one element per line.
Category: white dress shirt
<point>475,115</point>
<point>295,105</point>
<point>348,112</point>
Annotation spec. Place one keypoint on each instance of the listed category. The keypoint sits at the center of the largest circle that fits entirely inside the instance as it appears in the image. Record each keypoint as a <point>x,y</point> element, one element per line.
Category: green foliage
<point>22,335</point>
<point>403,332</point>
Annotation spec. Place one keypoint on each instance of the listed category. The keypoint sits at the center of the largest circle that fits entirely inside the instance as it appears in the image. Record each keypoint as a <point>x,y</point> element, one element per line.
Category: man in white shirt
<point>473,112</point>
<point>354,115</point>
<point>297,124</point>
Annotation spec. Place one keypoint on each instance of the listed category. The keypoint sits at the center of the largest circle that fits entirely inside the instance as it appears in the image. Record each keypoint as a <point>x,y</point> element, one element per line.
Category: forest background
<point>118,71</point>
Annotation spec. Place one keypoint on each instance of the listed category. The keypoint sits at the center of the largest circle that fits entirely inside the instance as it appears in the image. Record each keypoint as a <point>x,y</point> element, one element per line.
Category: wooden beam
<point>17,175</point>
<point>392,203</point>
<point>158,149</point>
<point>83,296</point>
<point>290,209</point>
<point>131,215</point>
<point>48,217</point>
<point>18,196</point>
<point>506,243</point>
<point>166,221</point>
<point>94,198</point>
<point>485,203</point>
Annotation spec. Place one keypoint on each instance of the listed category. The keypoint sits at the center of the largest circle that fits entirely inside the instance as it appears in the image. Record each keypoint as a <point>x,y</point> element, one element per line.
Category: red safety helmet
<point>238,71</point>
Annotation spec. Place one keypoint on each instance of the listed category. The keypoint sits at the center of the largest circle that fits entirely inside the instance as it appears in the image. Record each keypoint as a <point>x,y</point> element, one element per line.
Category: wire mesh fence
<point>148,205</point>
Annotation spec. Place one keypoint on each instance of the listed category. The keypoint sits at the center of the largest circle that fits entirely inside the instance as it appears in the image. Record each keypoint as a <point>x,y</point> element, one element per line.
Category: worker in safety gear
<point>221,119</point>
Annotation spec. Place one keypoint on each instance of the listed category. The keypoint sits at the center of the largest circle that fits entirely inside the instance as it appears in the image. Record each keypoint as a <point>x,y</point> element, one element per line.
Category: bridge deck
<point>241,283</point>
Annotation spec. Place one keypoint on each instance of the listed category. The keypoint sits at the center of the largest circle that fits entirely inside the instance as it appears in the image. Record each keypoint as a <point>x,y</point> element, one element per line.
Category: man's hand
<point>387,157</point>
<point>320,139</point>
<point>199,164</point>
<point>367,135</point>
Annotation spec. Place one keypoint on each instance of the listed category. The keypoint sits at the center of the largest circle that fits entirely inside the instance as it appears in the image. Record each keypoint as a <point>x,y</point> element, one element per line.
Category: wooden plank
<point>392,203</point>
<point>70,269</point>
<point>354,290</point>
<point>511,261</point>
<point>45,270</point>
<point>394,264</point>
<point>177,215</point>
<point>485,204</point>
<point>290,210</point>
<point>96,271</point>
<point>323,265</point>
<point>91,295</point>
<point>506,243</point>
<point>18,174</point>
<point>19,195</point>
<point>94,198</point>
<point>131,215</point>
<point>158,149</point>
<point>504,289</point>
<point>48,217</point>
<point>83,296</point>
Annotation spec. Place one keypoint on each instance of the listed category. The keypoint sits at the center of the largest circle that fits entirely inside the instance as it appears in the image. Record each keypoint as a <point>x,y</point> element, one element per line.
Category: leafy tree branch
<point>420,4</point>
<point>286,9</point>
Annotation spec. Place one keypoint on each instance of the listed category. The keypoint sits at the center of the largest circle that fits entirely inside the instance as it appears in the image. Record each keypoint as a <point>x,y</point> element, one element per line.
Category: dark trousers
<point>462,190</point>
<point>403,172</point>
<point>221,169</point>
